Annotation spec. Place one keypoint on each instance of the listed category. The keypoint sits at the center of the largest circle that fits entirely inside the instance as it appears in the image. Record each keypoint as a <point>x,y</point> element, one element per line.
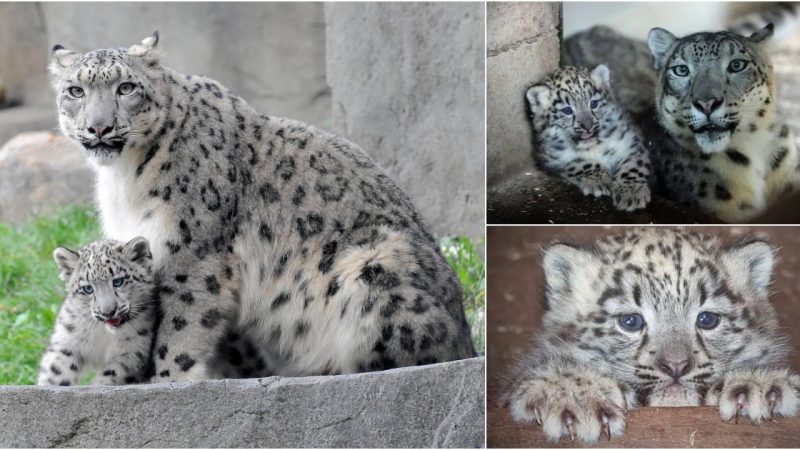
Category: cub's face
<point>665,311</point>
<point>573,101</point>
<point>107,99</point>
<point>107,280</point>
<point>711,85</point>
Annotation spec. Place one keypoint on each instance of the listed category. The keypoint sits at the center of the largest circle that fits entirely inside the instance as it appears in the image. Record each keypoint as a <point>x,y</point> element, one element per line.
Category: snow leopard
<point>727,152</point>
<point>106,321</point>
<point>587,139</point>
<point>264,226</point>
<point>653,317</point>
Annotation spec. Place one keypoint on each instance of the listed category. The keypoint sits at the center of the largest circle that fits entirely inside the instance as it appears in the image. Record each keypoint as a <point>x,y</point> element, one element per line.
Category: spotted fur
<point>106,321</point>
<point>261,226</point>
<point>587,139</point>
<point>728,152</point>
<point>589,366</point>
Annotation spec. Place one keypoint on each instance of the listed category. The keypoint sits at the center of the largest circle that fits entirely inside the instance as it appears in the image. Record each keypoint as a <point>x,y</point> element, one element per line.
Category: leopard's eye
<point>707,320</point>
<point>567,111</point>
<point>75,91</point>
<point>87,290</point>
<point>593,104</point>
<point>117,282</point>
<point>631,322</point>
<point>125,88</point>
<point>737,65</point>
<point>680,70</point>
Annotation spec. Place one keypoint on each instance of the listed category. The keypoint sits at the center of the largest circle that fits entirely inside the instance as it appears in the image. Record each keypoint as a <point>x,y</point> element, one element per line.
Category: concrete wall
<point>440,405</point>
<point>407,85</point>
<point>523,45</point>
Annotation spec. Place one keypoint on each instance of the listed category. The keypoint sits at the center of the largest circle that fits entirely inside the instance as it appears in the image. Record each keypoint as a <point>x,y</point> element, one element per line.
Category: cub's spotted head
<point>711,86</point>
<point>108,100</point>
<point>572,100</point>
<point>111,281</point>
<point>667,311</point>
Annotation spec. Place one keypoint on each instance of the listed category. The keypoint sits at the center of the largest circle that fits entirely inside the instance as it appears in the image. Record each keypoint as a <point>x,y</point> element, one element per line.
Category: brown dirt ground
<point>516,300</point>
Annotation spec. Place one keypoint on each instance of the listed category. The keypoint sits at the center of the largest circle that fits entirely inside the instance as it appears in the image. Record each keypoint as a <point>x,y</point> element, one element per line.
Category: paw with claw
<point>758,394</point>
<point>596,183</point>
<point>585,407</point>
<point>630,196</point>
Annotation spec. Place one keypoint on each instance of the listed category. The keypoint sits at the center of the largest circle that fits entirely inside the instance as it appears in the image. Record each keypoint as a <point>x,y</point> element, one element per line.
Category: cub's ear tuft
<point>763,34</point>
<point>66,260</point>
<point>137,249</point>
<point>660,41</point>
<point>539,98</point>
<point>566,267</point>
<point>749,265</point>
<point>146,48</point>
<point>601,77</point>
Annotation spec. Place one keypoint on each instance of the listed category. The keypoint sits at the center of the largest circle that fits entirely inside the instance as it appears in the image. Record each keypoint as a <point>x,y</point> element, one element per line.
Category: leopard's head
<point>711,86</point>
<point>108,100</point>
<point>571,101</point>
<point>666,311</point>
<point>108,280</point>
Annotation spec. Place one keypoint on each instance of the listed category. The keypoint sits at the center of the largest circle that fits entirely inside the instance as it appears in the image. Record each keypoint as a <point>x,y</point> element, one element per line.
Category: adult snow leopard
<point>728,151</point>
<point>653,317</point>
<point>285,232</point>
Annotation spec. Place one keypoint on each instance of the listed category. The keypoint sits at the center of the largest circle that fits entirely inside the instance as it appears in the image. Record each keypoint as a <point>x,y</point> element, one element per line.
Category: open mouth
<point>109,147</point>
<point>116,321</point>
<point>713,128</point>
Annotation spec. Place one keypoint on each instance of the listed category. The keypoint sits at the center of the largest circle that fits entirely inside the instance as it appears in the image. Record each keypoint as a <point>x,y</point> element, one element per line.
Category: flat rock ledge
<point>440,405</point>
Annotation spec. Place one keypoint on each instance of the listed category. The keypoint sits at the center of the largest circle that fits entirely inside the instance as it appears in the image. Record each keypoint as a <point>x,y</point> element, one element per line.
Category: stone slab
<point>440,405</point>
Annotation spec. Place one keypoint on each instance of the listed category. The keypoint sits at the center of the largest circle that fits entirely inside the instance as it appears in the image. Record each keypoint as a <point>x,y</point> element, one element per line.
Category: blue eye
<point>680,70</point>
<point>117,282</point>
<point>737,65</point>
<point>567,111</point>
<point>593,104</point>
<point>631,322</point>
<point>87,290</point>
<point>707,320</point>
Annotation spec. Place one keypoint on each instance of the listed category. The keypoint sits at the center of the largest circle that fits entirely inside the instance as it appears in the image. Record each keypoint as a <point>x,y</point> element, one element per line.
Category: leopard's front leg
<point>759,394</point>
<point>197,301</point>
<point>630,189</point>
<point>590,177</point>
<point>572,402</point>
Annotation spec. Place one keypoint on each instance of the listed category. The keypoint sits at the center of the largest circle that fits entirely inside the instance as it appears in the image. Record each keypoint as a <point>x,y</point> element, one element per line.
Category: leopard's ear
<point>147,49</point>
<point>762,34</point>
<point>660,41</point>
<point>749,265</point>
<point>66,260</point>
<point>601,77</point>
<point>61,59</point>
<point>137,249</point>
<point>539,98</point>
<point>567,271</point>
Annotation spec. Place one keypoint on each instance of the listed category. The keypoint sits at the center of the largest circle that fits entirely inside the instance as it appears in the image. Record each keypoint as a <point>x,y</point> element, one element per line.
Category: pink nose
<point>675,369</point>
<point>708,106</point>
<point>99,130</point>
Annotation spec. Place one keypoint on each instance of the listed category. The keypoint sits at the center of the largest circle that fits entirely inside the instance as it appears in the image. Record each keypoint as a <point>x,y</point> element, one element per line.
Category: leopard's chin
<point>674,395</point>
<point>711,142</point>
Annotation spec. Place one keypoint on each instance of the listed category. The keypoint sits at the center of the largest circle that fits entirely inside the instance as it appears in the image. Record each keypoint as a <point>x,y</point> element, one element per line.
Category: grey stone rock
<point>40,172</point>
<point>407,86</point>
<point>441,405</point>
<point>524,46</point>
<point>23,53</point>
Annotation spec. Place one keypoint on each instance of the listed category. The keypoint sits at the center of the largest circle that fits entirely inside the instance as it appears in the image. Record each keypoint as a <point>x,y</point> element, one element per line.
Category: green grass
<point>30,291</point>
<point>471,271</point>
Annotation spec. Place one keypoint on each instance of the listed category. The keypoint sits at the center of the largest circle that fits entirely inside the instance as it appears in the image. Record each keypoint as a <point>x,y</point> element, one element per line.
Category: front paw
<point>630,195</point>
<point>186,369</point>
<point>596,184</point>
<point>587,407</point>
<point>759,394</point>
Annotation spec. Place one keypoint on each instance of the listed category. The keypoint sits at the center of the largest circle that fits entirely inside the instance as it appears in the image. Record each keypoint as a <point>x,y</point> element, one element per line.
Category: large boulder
<point>40,172</point>
<point>440,405</point>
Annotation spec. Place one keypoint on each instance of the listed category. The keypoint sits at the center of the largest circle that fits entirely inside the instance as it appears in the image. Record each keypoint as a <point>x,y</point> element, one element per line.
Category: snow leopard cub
<point>587,139</point>
<point>653,317</point>
<point>106,321</point>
